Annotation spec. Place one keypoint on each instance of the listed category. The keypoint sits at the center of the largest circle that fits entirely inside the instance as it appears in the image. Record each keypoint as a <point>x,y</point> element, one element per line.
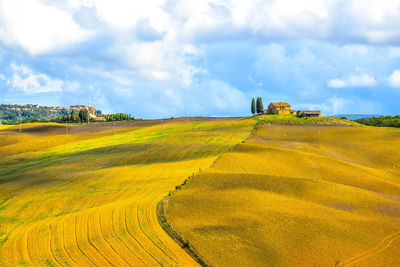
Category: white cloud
<point>123,15</point>
<point>333,105</point>
<point>360,80</point>
<point>161,60</point>
<point>26,80</point>
<point>36,27</point>
<point>42,26</point>
<point>2,77</point>
<point>394,78</point>
<point>336,83</point>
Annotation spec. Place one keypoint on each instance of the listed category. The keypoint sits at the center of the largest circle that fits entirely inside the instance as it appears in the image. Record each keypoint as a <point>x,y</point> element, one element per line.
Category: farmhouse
<point>279,108</point>
<point>309,113</point>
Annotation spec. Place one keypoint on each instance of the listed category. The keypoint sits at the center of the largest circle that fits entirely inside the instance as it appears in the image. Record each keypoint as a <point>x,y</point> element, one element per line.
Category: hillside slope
<point>297,195</point>
<point>89,198</point>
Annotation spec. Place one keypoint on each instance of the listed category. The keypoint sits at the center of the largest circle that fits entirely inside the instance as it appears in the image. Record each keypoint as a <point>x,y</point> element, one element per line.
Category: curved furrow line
<point>114,233</point>
<point>108,243</point>
<point>44,255</point>
<point>69,243</point>
<point>140,244</point>
<point>30,246</point>
<point>383,245</point>
<point>147,235</point>
<point>77,243</point>
<point>92,243</point>
<point>150,210</point>
<point>62,241</point>
<point>56,245</point>
<point>25,248</point>
<point>183,259</point>
<point>131,242</point>
<point>17,248</point>
<point>52,247</point>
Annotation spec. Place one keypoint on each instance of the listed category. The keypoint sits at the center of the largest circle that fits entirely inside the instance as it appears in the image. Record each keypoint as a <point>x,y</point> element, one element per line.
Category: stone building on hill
<point>279,108</point>
<point>91,109</point>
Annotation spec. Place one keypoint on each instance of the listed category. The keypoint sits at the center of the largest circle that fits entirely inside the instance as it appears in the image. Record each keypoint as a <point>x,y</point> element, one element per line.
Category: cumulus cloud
<point>36,27</point>
<point>29,82</point>
<point>343,105</point>
<point>333,105</point>
<point>39,26</point>
<point>360,80</point>
<point>394,78</point>
<point>211,54</point>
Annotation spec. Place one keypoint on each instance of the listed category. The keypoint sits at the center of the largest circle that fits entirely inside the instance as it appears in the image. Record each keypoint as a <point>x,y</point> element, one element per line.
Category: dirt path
<point>383,245</point>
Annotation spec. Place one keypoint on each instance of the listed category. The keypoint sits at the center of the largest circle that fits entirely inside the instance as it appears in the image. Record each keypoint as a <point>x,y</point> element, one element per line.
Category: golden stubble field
<point>88,198</point>
<point>297,195</point>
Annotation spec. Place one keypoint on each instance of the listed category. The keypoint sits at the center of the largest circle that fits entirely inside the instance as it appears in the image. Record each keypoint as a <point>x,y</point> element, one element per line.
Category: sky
<point>153,58</point>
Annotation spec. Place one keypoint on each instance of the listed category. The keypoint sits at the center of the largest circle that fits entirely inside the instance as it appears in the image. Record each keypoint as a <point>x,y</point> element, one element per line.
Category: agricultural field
<point>290,119</point>
<point>297,195</point>
<point>87,195</point>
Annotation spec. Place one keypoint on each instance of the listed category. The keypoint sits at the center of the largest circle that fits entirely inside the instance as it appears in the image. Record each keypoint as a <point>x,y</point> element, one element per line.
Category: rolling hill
<point>297,195</point>
<point>88,198</point>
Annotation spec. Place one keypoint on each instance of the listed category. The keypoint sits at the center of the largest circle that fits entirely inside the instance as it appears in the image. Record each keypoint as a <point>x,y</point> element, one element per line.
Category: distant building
<point>97,118</point>
<point>91,109</point>
<point>309,113</point>
<point>279,108</point>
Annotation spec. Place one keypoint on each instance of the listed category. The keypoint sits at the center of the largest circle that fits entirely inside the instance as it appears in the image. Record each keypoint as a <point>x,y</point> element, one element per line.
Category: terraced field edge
<point>174,234</point>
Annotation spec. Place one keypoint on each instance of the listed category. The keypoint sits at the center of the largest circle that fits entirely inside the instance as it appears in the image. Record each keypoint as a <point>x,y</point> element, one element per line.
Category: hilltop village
<point>12,113</point>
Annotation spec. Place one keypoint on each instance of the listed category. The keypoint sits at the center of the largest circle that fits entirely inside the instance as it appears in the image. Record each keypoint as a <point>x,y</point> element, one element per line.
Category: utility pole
<point>185,114</point>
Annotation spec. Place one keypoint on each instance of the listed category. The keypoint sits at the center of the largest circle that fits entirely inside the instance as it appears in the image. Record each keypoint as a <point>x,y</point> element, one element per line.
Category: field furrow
<point>58,244</point>
<point>118,244</point>
<point>91,201</point>
<point>384,244</point>
<point>139,246</point>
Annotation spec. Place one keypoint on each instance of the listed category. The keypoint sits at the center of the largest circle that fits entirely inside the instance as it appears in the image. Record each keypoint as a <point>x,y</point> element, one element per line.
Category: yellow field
<point>297,196</point>
<point>89,198</point>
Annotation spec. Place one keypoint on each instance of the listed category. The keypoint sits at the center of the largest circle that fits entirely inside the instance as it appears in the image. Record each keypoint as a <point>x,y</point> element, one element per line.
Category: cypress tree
<point>253,106</point>
<point>83,115</point>
<point>261,106</point>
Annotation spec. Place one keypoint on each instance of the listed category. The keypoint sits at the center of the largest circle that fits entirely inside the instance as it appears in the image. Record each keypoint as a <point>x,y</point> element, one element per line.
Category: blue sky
<point>153,58</point>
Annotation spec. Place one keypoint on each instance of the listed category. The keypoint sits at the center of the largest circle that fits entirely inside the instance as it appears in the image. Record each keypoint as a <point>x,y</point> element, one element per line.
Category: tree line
<point>13,113</point>
<point>118,117</point>
<point>84,116</point>
<point>382,121</point>
<point>257,106</point>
